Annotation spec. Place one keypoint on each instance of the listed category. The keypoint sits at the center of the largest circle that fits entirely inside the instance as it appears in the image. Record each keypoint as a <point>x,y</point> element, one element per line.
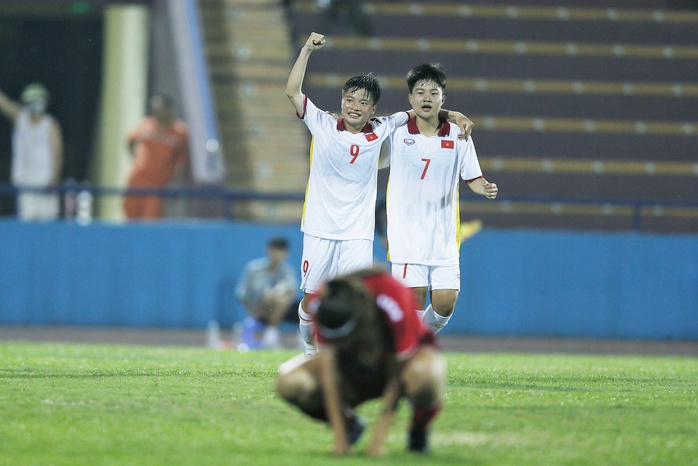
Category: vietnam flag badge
<point>447,144</point>
<point>371,137</point>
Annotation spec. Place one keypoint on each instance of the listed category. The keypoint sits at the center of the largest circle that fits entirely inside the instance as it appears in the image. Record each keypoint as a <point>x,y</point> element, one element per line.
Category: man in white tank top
<point>37,153</point>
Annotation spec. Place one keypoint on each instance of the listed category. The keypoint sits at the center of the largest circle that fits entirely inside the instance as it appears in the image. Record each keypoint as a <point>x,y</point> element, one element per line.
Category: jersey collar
<point>444,127</point>
<point>343,127</point>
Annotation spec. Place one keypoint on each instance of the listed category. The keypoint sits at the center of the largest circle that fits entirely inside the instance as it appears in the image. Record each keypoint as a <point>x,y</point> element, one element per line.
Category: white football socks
<point>307,331</point>
<point>434,321</point>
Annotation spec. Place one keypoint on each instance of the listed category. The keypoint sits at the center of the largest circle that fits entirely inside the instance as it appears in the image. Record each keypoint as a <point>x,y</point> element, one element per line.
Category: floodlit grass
<point>126,405</point>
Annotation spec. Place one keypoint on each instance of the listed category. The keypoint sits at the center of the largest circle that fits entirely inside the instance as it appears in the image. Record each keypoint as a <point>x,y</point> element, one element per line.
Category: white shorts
<point>434,277</point>
<point>324,259</point>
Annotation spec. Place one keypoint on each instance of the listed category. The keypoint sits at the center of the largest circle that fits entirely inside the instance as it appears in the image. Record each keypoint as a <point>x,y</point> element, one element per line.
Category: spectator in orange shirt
<point>159,145</point>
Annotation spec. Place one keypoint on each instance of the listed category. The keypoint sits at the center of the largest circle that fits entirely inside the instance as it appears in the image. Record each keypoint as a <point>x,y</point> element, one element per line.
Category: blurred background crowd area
<point>586,112</point>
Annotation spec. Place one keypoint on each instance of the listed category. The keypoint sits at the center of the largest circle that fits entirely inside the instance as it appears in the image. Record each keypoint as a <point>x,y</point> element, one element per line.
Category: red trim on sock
<point>422,417</point>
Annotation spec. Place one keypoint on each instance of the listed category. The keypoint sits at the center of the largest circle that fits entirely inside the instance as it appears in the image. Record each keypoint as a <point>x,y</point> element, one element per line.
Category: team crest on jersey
<point>409,142</point>
<point>447,144</point>
<point>371,137</point>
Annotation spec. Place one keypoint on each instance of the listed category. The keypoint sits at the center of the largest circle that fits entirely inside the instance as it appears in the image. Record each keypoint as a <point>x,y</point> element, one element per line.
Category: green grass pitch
<point>65,404</point>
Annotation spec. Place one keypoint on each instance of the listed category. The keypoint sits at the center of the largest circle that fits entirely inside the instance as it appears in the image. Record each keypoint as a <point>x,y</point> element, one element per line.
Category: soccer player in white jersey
<point>338,213</point>
<point>427,160</point>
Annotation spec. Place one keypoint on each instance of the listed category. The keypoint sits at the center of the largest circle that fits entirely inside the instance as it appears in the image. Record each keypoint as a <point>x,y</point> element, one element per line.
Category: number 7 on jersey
<point>426,167</point>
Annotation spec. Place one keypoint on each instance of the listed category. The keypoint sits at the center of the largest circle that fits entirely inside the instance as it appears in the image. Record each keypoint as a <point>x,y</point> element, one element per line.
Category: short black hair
<point>344,306</point>
<point>426,72</point>
<point>367,82</point>
<point>278,242</point>
<point>337,307</point>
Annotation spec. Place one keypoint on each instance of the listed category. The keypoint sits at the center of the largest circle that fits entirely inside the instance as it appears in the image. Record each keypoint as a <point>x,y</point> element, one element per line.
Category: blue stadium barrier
<point>182,275</point>
<point>611,285</point>
<point>149,274</point>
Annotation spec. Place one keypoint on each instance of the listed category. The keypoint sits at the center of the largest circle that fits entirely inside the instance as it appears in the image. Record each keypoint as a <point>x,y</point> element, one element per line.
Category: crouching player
<point>373,345</point>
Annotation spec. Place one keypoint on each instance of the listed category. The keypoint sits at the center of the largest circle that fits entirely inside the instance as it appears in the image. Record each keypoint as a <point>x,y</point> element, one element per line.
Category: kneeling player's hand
<point>375,450</point>
<point>341,448</point>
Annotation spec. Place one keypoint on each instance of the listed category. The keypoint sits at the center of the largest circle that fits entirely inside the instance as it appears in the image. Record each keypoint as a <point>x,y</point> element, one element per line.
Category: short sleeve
<point>400,118</point>
<point>313,117</point>
<point>393,122</point>
<point>470,166</point>
<point>398,305</point>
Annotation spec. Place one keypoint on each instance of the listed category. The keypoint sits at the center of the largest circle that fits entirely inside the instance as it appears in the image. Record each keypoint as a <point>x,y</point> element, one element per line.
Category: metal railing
<point>636,209</point>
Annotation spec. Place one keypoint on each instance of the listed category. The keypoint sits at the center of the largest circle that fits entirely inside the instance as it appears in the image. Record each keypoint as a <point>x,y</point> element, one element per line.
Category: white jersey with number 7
<point>423,193</point>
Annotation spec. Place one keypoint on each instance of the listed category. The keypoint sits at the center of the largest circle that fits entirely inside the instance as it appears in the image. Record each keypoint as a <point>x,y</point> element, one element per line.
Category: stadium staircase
<point>249,55</point>
<point>586,116</point>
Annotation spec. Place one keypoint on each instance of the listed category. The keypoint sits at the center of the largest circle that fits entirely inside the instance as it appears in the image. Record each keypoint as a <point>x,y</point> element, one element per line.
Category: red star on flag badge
<point>371,137</point>
<point>447,144</point>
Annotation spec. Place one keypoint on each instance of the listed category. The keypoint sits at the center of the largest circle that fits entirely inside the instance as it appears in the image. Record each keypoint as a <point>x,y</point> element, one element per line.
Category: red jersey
<point>397,304</point>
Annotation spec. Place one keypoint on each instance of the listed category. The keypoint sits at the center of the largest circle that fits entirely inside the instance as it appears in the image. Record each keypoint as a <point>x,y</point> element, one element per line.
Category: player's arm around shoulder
<point>398,118</point>
<point>295,78</point>
<point>464,124</point>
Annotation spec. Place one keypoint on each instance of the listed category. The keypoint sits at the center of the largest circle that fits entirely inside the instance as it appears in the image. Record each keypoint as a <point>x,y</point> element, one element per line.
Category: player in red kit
<point>373,345</point>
